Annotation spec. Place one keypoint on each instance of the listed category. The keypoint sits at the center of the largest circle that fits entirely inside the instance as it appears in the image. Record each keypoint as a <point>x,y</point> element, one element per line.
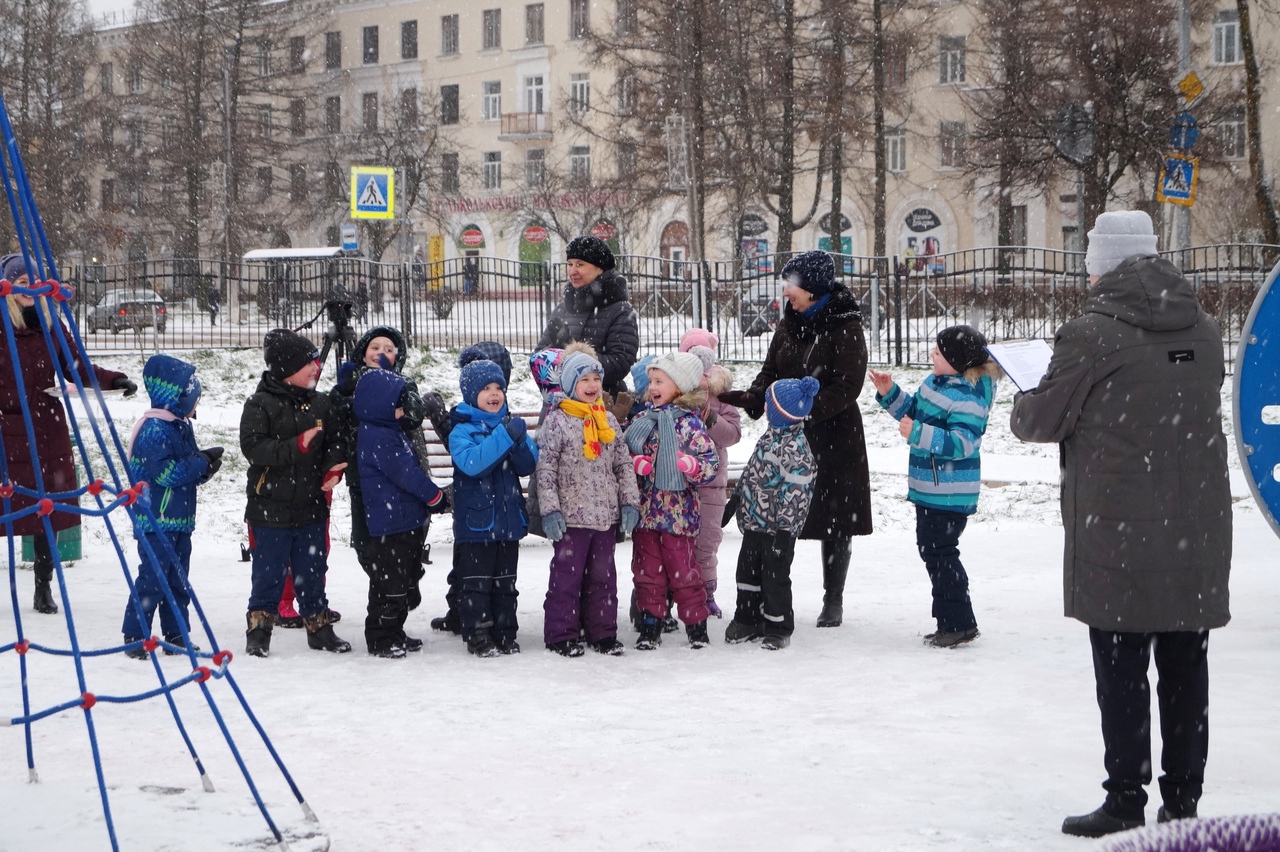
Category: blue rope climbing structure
<point>118,501</point>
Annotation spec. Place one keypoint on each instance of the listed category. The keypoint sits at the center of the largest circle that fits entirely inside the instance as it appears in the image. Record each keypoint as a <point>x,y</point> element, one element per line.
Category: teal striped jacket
<point>950,417</point>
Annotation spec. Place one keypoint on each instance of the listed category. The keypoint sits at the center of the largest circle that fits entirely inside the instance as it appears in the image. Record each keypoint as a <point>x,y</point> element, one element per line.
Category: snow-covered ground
<point>853,738</point>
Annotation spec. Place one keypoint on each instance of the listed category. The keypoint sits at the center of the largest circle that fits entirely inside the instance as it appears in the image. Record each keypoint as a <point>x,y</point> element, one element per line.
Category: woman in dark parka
<point>821,336</point>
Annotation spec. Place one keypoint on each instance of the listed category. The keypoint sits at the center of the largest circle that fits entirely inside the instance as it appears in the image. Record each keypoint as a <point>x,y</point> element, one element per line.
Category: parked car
<point>760,307</point>
<point>121,309</point>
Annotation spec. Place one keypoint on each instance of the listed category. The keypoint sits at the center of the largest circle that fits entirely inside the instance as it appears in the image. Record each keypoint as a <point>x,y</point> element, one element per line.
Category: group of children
<point>652,467</point>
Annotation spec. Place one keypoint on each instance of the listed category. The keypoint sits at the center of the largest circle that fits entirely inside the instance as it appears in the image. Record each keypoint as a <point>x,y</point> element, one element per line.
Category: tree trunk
<point>1253,98</point>
<point>879,214</point>
<point>787,160</point>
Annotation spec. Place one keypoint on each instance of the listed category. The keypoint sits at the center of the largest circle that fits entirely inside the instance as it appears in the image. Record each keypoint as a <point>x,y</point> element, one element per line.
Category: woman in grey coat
<point>1132,394</point>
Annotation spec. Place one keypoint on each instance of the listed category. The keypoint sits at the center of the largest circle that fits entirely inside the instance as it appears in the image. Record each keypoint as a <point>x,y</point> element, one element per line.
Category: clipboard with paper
<point>1024,361</point>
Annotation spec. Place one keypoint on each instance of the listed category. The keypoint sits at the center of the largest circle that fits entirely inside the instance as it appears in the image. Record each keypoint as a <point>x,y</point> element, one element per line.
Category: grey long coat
<point>1132,394</point>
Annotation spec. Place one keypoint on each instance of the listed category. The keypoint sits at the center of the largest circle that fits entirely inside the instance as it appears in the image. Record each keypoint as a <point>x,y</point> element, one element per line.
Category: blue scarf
<point>812,311</point>
<point>666,476</point>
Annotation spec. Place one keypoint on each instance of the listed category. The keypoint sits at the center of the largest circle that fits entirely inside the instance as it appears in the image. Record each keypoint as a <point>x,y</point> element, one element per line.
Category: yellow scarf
<point>595,425</point>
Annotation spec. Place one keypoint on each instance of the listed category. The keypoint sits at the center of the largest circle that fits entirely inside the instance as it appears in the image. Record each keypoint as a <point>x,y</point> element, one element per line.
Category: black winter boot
<point>1099,823</point>
<point>450,622</point>
<point>177,641</point>
<point>138,653</point>
<point>697,634</point>
<point>835,568</point>
<point>320,635</point>
<point>650,632</point>
<point>43,602</point>
<point>482,645</point>
<point>258,636</point>
<point>740,631</point>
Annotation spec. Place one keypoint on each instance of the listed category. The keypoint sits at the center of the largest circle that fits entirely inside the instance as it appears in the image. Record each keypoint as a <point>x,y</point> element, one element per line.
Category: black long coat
<point>830,347</point>
<point>49,422</point>
<point>600,314</point>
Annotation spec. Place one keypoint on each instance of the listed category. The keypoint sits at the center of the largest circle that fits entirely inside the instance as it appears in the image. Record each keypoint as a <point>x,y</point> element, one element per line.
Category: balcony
<point>525,125</point>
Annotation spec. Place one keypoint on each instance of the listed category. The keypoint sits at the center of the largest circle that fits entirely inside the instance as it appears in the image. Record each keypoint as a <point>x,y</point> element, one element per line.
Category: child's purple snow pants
<point>583,591</point>
<point>662,560</point>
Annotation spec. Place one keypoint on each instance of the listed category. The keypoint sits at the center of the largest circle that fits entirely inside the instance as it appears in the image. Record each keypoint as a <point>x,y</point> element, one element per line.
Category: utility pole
<point>1181,213</point>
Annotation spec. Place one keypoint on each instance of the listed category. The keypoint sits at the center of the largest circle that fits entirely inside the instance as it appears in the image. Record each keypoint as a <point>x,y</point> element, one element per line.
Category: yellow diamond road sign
<point>1191,86</point>
<point>373,192</point>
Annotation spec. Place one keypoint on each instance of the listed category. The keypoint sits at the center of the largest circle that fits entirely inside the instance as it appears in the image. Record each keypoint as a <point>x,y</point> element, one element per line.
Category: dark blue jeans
<point>938,540</point>
<point>150,591</point>
<point>275,549</point>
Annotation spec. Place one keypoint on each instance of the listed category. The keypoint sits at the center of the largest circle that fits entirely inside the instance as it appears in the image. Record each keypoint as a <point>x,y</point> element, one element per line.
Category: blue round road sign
<point>1185,132</point>
<point>1257,399</point>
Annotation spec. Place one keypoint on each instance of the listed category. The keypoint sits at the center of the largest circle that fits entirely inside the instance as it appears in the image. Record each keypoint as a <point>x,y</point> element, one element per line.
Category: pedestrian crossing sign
<point>373,192</point>
<point>1178,183</point>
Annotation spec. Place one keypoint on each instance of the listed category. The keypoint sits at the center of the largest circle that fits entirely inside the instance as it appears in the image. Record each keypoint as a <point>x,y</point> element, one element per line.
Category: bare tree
<point>1253,98</point>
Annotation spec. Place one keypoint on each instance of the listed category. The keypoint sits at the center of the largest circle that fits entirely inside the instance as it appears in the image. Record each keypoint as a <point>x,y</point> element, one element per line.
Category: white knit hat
<point>683,368</point>
<point>1117,235</point>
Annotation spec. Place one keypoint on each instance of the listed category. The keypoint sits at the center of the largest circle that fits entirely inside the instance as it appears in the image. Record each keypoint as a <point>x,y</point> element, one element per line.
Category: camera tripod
<point>339,336</point>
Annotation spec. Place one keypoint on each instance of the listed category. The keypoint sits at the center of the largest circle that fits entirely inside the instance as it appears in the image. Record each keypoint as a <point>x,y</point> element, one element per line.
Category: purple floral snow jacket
<point>590,493</point>
<point>678,512</point>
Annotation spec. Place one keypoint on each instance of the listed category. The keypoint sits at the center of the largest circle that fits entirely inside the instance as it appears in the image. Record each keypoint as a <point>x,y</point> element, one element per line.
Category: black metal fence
<point>1009,293</point>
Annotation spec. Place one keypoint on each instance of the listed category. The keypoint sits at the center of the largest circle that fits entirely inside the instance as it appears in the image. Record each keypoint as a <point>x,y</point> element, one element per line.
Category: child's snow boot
<point>320,635</point>
<point>650,632</point>
<point>258,636</point>
<point>697,633</point>
<point>138,653</point>
<point>567,648</point>
<point>177,641</point>
<point>775,642</point>
<point>609,646</point>
<point>482,645</point>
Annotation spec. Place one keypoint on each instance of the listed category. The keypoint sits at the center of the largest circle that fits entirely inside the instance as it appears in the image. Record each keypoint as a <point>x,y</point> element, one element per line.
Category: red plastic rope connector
<point>202,674</point>
<point>46,507</point>
<point>95,488</point>
<point>87,700</point>
<point>22,647</point>
<point>6,286</point>
<point>149,645</point>
<point>6,491</point>
<point>131,495</point>
<point>221,657</point>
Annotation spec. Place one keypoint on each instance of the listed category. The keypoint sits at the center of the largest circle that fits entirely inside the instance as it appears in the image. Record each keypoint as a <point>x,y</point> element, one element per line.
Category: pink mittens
<point>643,465</point>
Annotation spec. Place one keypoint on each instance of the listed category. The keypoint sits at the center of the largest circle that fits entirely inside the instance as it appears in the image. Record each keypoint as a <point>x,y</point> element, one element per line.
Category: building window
<point>166,130</point>
<point>626,18</point>
<point>134,73</point>
<point>108,127</point>
<point>449,35</point>
<point>1233,134</point>
<point>534,23</point>
<point>491,103</point>
<point>535,167</point>
<point>369,51</point>
<point>1226,38</point>
<point>333,114</point>
<point>137,134</point>
<point>297,182</point>
<point>333,183</point>
<point>896,149</point>
<point>263,176</point>
<point>408,39</point>
<point>951,59</point>
<point>108,194</point>
<point>579,92</point>
<point>491,170</point>
<point>895,66</point>
<point>369,112</point>
<point>951,136</point>
<point>266,127</point>
<point>626,160</point>
<point>449,179</point>
<point>409,107</point>
<point>264,58</point>
<point>332,50</point>
<point>297,117</point>
<point>1018,225</point>
<point>106,78</point>
<point>297,54</point>
<point>579,18</point>
<point>449,112</point>
<point>491,29</point>
<point>627,94</point>
<point>534,91</point>
<point>580,164</point>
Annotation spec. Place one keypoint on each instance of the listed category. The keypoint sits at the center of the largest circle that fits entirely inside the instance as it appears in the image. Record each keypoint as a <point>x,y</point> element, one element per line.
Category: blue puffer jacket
<point>397,494</point>
<point>487,466</point>
<point>164,452</point>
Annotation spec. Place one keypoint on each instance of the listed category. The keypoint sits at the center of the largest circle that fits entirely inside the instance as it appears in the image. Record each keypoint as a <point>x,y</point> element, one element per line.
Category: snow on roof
<point>285,253</point>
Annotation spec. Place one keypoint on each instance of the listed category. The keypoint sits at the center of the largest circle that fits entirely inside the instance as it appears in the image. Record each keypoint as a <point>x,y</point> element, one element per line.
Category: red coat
<point>49,422</point>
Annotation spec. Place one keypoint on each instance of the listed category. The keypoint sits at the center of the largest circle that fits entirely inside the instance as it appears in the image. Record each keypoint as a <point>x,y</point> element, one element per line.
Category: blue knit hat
<point>575,365</point>
<point>640,374</point>
<point>488,350</point>
<point>172,384</point>
<point>476,376</point>
<point>813,271</point>
<point>13,267</point>
<point>789,401</point>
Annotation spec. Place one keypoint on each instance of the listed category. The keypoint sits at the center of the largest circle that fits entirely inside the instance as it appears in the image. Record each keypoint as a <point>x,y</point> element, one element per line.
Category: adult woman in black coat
<point>596,309</point>
<point>821,336</point>
<point>48,421</point>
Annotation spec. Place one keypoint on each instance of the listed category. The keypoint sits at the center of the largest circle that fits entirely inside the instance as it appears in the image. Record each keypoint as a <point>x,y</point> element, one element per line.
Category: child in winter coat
<point>587,490</point>
<point>673,456</point>
<point>491,450</point>
<point>163,452</point>
<point>398,499</point>
<point>944,422</point>
<point>724,426</point>
<point>292,463</point>
<point>772,502</point>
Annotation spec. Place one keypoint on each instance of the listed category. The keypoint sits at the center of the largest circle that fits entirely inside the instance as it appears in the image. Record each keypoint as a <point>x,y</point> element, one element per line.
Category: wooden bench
<point>442,464</point>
